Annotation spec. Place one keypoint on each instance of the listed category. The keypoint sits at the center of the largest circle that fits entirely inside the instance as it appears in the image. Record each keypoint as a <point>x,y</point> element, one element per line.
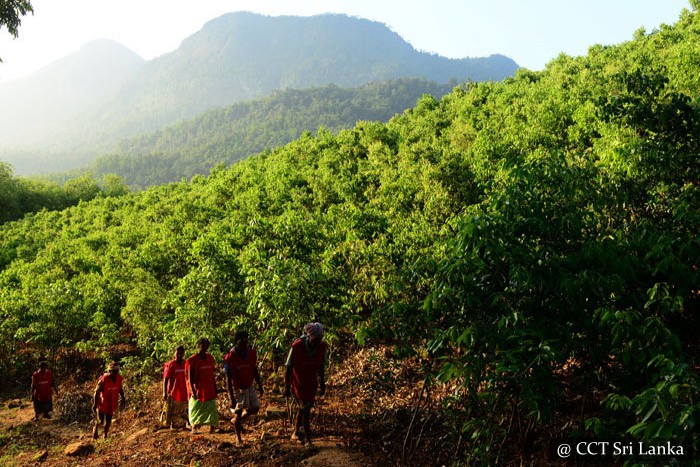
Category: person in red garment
<point>174,414</point>
<point>106,399</point>
<point>202,388</point>
<point>304,375</point>
<point>241,367</point>
<point>43,386</point>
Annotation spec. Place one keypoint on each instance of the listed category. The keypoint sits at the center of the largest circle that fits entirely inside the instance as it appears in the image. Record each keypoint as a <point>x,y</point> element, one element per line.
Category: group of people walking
<point>189,386</point>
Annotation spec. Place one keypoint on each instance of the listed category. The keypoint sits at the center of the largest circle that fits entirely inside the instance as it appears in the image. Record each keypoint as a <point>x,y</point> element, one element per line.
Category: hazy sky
<point>531,32</point>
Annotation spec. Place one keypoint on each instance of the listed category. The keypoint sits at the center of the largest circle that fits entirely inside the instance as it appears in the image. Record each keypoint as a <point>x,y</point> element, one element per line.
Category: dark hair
<point>180,347</point>
<point>239,335</point>
<point>202,341</point>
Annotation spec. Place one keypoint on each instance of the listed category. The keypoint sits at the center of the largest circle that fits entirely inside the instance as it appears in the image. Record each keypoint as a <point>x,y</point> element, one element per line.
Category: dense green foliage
<point>19,196</point>
<point>224,136</point>
<point>576,277</point>
<point>536,240</point>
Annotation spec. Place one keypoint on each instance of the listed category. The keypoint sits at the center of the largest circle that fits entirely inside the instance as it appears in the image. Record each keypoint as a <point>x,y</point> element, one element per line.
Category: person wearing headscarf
<point>43,386</point>
<point>305,374</point>
<point>174,413</point>
<point>241,367</point>
<point>106,399</point>
<point>202,388</point>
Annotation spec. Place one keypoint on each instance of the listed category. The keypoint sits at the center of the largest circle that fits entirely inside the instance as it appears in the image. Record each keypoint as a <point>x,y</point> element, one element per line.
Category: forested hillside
<point>21,196</point>
<point>227,135</point>
<point>240,56</point>
<point>533,242</point>
<point>233,58</point>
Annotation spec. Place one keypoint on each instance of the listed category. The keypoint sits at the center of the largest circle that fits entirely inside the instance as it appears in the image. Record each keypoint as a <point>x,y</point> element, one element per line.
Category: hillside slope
<point>227,135</point>
<point>525,253</point>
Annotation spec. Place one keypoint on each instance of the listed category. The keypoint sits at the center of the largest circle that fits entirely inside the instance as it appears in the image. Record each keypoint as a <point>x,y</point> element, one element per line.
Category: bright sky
<point>531,32</point>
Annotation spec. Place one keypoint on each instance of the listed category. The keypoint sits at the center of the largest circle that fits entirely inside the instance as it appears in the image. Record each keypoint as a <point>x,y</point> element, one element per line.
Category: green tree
<point>114,185</point>
<point>83,188</point>
<point>9,193</point>
<point>11,12</point>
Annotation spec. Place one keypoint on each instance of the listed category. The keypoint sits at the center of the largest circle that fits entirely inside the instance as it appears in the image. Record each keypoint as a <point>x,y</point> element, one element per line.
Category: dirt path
<point>137,440</point>
<point>332,454</point>
<point>361,421</point>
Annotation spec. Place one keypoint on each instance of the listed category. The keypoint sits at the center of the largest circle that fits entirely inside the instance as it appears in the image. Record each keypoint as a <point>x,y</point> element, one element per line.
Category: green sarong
<point>203,413</point>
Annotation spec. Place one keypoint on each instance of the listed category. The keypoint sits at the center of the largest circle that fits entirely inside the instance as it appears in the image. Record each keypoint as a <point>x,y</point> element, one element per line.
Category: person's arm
<point>166,384</point>
<point>322,379</point>
<point>258,380</point>
<point>190,381</point>
<point>322,372</point>
<point>213,377</point>
<point>121,393</point>
<point>229,385</point>
<point>53,384</point>
<point>33,389</point>
<point>98,391</point>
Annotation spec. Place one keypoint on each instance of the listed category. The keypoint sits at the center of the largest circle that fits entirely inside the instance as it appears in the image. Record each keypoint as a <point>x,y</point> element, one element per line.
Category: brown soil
<point>347,425</point>
<point>139,441</point>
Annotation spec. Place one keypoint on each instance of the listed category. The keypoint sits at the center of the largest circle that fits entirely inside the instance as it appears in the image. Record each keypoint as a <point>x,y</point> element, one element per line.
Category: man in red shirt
<point>106,399</point>
<point>43,386</point>
<point>241,367</point>
<point>174,414</point>
<point>306,361</point>
<point>202,388</point>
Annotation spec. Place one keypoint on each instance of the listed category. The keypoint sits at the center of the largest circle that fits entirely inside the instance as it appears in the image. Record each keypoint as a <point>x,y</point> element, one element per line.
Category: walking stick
<point>319,412</point>
<point>96,419</point>
<point>288,419</point>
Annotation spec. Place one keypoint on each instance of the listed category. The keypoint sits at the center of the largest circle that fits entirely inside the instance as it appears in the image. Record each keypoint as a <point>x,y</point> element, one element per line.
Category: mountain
<point>37,108</point>
<point>235,57</point>
<point>239,56</point>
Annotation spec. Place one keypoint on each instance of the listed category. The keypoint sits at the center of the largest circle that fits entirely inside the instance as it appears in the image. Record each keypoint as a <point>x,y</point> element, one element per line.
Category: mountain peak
<point>105,45</point>
<point>256,29</point>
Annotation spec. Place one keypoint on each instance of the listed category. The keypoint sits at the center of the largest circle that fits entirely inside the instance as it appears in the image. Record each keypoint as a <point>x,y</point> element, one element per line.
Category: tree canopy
<point>21,196</point>
<point>11,13</point>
